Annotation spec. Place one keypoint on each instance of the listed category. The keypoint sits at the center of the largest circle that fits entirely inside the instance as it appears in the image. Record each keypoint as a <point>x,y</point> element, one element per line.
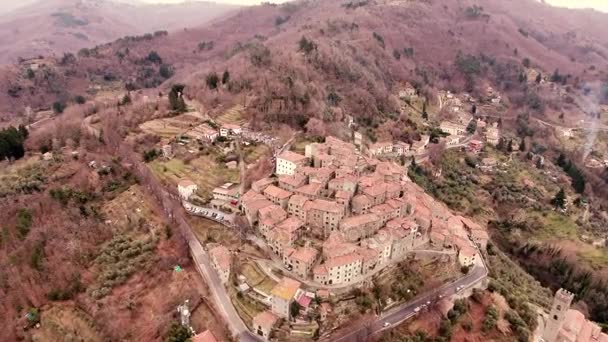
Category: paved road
<point>401,313</point>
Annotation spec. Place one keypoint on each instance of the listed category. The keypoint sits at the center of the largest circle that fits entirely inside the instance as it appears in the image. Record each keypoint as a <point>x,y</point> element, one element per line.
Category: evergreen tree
<point>559,201</point>
<point>212,80</point>
<point>522,145</point>
<point>176,98</point>
<point>561,160</point>
<point>225,77</point>
<point>425,115</point>
<point>11,142</point>
<point>501,144</point>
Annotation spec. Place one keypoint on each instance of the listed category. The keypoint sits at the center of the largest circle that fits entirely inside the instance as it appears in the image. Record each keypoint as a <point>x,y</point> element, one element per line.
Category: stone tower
<point>557,315</point>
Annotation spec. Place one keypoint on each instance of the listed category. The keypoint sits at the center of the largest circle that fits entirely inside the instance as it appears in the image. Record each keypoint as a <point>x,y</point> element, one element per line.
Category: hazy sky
<point>601,5</point>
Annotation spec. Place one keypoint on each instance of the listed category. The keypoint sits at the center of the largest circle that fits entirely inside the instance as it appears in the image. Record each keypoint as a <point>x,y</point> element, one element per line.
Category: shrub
<point>379,39</point>
<point>468,64</point>
<point>177,333</point>
<point>408,52</point>
<point>206,46</point>
<point>37,256</point>
<point>355,4</point>
<point>24,221</point>
<point>259,55</point>
<point>225,77</point>
<point>212,80</point>
<point>165,71</point>
<point>278,21</point>
<point>396,54</point>
<point>474,12</point>
<point>150,155</point>
<point>154,57</point>
<point>58,107</point>
<point>80,99</point>
<point>307,46</point>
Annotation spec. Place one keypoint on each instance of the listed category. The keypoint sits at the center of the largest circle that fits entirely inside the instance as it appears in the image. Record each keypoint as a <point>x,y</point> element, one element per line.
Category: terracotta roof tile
<point>265,319</point>
<point>286,288</point>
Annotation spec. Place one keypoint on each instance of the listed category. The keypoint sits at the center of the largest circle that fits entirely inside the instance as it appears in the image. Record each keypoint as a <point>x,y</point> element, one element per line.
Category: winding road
<point>397,315</point>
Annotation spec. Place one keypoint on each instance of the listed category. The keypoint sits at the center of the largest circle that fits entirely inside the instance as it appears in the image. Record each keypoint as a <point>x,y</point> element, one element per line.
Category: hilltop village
<point>334,217</point>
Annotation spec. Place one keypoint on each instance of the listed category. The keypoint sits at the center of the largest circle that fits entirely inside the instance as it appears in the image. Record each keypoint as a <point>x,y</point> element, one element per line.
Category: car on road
<point>387,324</point>
<point>417,309</point>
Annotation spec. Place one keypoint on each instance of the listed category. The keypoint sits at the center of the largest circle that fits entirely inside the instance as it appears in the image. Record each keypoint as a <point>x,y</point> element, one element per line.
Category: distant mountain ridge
<point>51,27</point>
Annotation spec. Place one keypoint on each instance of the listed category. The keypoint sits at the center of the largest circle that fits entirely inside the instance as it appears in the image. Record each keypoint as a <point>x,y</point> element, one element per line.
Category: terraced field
<point>206,172</point>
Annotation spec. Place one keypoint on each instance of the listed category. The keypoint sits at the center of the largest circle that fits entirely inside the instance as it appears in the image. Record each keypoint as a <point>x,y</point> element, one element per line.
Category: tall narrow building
<point>559,308</point>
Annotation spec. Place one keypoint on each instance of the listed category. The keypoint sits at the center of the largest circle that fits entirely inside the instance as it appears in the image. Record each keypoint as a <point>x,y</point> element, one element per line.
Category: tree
<point>307,46</point>
<point>176,99</point>
<point>154,57</point>
<point>58,107</point>
<point>294,309</point>
<point>472,127</point>
<point>165,71</point>
<point>538,78</point>
<point>126,100</point>
<point>11,142</point>
<point>396,54</point>
<point>526,62</point>
<point>474,109</point>
<point>212,80</point>
<point>80,99</point>
<point>522,145</point>
<point>425,115</point>
<point>510,146</point>
<point>226,77</point>
<point>177,333</point>
<point>559,201</point>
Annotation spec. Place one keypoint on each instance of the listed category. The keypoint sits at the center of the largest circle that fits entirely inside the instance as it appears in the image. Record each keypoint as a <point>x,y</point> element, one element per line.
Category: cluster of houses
<point>334,214</point>
<point>400,148</point>
<point>210,132</point>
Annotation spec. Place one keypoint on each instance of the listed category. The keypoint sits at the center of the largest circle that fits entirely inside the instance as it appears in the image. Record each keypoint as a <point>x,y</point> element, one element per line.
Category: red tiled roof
<point>305,254</point>
<point>298,200</point>
<point>206,336</point>
<point>265,319</point>
<point>222,255</point>
<point>343,260</point>
<point>291,156</point>
<point>276,192</point>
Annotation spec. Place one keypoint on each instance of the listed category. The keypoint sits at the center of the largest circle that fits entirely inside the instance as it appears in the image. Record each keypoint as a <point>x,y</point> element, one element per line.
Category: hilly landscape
<point>86,248</point>
<point>46,28</point>
<point>370,44</point>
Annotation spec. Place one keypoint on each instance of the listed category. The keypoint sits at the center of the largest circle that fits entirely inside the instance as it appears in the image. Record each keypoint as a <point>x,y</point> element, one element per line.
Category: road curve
<point>401,313</point>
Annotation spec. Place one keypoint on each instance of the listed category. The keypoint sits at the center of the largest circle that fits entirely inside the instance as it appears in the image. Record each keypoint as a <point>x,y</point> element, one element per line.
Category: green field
<point>233,116</point>
<point>256,278</point>
<point>205,171</point>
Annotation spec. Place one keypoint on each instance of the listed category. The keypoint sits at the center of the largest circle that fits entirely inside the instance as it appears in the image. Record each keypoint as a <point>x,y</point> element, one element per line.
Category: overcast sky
<point>597,4</point>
